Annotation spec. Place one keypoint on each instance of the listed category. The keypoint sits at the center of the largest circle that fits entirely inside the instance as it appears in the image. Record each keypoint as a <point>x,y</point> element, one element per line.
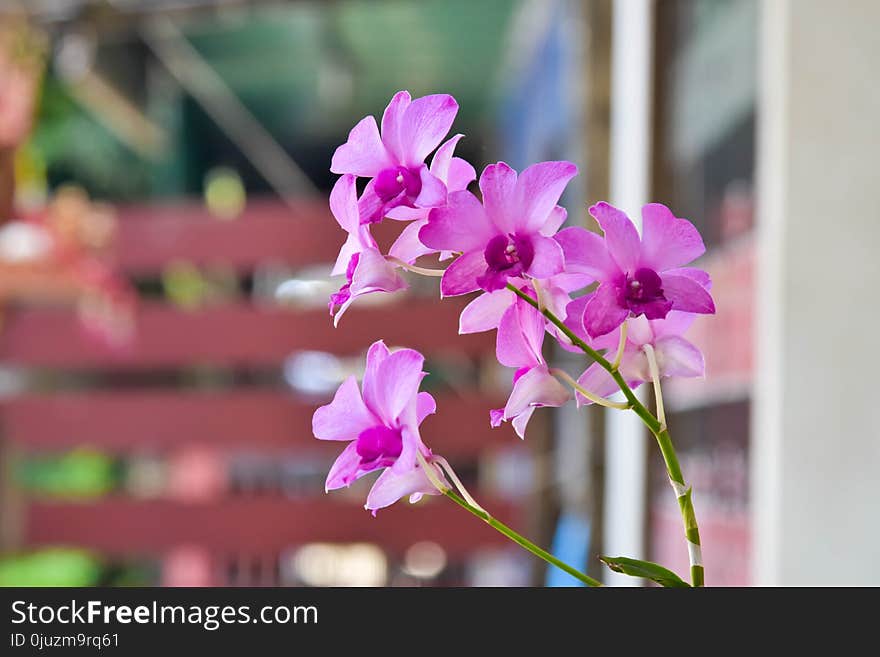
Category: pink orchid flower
<point>381,422</point>
<point>637,276</point>
<point>456,174</point>
<point>411,130</point>
<point>675,356</point>
<point>484,313</point>
<point>519,344</point>
<point>366,269</point>
<point>506,236</point>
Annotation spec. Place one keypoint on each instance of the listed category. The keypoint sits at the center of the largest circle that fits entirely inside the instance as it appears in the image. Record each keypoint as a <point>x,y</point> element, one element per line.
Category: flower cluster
<point>381,422</point>
<point>629,295</point>
<point>400,187</point>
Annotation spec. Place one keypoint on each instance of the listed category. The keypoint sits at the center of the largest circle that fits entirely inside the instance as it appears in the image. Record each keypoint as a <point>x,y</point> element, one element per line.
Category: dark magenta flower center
<point>644,285</point>
<point>642,293</point>
<point>391,183</point>
<point>379,444</point>
<point>506,256</point>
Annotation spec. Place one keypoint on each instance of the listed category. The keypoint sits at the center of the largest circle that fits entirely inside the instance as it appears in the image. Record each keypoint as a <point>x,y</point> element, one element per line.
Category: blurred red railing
<point>238,334</point>
<point>254,525</point>
<point>233,335</point>
<point>256,419</point>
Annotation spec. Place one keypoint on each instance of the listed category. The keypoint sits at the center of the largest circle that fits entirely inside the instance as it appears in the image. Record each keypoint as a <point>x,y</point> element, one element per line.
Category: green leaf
<point>646,569</point>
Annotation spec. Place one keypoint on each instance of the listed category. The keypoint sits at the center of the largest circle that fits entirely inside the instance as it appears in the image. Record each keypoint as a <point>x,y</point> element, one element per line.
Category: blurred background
<point>167,243</point>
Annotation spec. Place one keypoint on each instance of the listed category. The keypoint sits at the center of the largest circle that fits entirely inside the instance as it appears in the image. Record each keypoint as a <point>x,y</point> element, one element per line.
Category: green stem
<point>521,541</point>
<point>685,504</point>
<point>673,469</point>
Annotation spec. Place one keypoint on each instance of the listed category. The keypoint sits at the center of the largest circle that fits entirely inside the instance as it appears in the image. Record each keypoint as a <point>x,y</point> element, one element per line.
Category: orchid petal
<point>554,221</point>
<point>425,122</point>
<point>376,355</point>
<point>412,442</point>
<point>406,213</point>
<point>339,312</point>
<point>520,336</point>
<point>498,185</point>
<point>640,330</point>
<point>375,273</point>
<point>586,253</point>
<point>462,225</point>
<point>392,121</point>
<point>548,259</point>
<point>392,486</point>
<point>442,159</point>
<point>574,320</point>
<point>344,203</point>
<point>425,405</point>
<point>700,276</point>
<point>603,312</point>
<point>345,417</point>
<point>556,299</point>
<point>609,341</point>
<point>537,387</point>
<point>675,323</point>
<point>461,276</point>
<point>433,192</point>
<point>668,241</point>
<point>521,421</point>
<point>679,357</point>
<point>345,469</point>
<point>634,368</point>
<point>538,189</point>
<point>399,376</point>
<point>687,294</point>
<point>532,324</point>
<point>574,315</point>
<point>572,282</point>
<point>372,208</point>
<point>484,313</point>
<point>353,244</point>
<point>363,154</point>
<point>621,235</point>
<point>407,246</point>
<point>461,174</point>
<point>597,381</point>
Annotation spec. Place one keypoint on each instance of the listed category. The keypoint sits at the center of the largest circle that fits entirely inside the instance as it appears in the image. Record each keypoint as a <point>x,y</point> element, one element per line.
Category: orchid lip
<point>642,293</point>
<point>391,183</point>
<point>507,256</point>
<point>339,298</point>
<point>379,444</point>
<point>344,294</point>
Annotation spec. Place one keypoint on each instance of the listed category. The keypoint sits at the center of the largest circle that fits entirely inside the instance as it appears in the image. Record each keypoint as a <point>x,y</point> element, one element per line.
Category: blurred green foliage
<point>51,567</point>
<point>76,147</point>
<point>82,474</point>
<point>307,72</point>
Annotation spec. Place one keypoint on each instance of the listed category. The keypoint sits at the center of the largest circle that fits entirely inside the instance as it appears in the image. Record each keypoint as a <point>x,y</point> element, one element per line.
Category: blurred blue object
<point>571,542</point>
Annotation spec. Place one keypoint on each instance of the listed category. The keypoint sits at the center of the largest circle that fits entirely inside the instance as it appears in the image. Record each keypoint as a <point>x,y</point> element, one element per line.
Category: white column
<point>631,102</point>
<point>816,425</point>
